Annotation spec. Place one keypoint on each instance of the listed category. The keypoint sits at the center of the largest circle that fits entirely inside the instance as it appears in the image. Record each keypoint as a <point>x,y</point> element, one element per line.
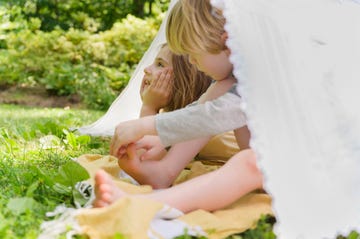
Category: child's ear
<point>224,37</point>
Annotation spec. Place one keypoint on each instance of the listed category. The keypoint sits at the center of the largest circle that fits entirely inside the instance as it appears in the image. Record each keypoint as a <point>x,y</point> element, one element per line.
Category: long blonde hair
<point>189,83</point>
<point>195,25</point>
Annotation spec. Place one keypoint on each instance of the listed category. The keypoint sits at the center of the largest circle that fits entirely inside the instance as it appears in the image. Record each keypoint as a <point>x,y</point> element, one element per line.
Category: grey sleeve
<point>211,118</point>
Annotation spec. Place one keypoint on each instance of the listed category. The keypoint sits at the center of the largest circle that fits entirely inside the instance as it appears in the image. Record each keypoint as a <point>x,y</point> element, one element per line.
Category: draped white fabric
<point>128,104</point>
<point>298,65</point>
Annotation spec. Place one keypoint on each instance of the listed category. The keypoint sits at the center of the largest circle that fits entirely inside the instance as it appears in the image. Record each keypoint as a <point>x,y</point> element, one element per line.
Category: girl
<point>171,83</point>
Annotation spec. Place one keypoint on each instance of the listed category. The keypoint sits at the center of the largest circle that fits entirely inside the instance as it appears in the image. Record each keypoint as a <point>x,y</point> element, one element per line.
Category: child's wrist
<point>148,125</point>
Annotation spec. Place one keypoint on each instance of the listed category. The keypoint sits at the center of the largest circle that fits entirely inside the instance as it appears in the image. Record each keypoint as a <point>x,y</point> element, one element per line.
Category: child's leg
<point>216,189</point>
<point>211,191</point>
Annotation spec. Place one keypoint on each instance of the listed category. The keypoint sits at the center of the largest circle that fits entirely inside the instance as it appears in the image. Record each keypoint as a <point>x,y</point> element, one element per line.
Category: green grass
<point>34,144</point>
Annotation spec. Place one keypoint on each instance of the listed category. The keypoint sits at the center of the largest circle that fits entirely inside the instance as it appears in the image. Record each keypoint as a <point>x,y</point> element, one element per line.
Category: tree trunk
<point>138,8</point>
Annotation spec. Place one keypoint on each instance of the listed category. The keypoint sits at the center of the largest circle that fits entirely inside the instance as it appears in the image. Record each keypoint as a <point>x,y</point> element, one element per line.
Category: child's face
<point>217,66</point>
<point>161,62</point>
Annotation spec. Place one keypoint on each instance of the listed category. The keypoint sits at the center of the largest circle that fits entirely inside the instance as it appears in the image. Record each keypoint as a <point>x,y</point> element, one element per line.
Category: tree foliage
<point>68,58</point>
<point>91,15</point>
<point>94,66</point>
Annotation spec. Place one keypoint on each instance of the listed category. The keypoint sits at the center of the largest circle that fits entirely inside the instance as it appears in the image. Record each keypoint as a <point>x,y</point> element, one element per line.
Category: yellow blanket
<point>142,218</point>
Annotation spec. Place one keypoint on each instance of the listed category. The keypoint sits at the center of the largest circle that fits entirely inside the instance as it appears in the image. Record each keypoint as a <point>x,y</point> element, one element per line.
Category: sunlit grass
<point>34,142</point>
<point>19,116</point>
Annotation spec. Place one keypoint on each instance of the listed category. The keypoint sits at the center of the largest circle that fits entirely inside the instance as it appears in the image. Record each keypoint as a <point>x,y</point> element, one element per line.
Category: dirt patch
<point>37,97</point>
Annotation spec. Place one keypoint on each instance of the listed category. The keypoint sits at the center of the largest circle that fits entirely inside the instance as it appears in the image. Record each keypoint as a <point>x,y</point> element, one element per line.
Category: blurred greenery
<point>71,47</point>
<point>85,14</point>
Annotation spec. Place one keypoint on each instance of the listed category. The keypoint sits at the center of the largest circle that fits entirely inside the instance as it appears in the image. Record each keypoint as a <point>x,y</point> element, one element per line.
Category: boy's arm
<point>210,118</point>
<point>243,137</point>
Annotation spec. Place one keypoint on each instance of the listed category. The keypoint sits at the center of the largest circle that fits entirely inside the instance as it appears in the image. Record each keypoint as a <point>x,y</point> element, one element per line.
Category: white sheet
<point>298,64</point>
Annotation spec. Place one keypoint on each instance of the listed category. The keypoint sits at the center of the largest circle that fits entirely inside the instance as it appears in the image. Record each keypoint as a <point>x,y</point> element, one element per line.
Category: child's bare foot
<point>106,191</point>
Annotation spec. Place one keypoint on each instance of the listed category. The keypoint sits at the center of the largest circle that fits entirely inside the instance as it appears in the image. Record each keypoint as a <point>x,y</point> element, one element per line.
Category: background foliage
<point>86,14</point>
<point>87,47</point>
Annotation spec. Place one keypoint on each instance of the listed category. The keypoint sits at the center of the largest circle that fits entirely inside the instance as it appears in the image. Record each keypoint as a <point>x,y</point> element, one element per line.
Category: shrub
<point>85,14</point>
<point>96,66</point>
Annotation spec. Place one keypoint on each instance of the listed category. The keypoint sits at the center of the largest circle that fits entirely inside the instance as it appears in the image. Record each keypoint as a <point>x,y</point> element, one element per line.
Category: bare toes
<point>105,190</point>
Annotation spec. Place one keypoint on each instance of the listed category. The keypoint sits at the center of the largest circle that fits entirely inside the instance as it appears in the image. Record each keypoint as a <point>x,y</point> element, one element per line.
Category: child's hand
<point>130,162</point>
<point>156,93</point>
<point>129,132</point>
<point>153,146</point>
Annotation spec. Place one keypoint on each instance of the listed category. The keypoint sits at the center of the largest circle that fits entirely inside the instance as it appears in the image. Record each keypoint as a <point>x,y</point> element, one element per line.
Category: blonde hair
<point>188,85</point>
<point>195,25</point>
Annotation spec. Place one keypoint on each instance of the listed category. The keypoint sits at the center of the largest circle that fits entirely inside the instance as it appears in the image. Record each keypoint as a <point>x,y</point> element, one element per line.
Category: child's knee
<point>247,158</point>
<point>250,164</point>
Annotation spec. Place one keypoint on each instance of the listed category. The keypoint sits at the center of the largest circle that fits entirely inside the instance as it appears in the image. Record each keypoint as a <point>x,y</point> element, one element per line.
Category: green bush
<point>95,66</point>
<point>90,15</point>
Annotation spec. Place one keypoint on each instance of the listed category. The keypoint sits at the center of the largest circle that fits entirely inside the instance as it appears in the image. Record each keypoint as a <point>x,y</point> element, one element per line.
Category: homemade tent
<point>298,67</point>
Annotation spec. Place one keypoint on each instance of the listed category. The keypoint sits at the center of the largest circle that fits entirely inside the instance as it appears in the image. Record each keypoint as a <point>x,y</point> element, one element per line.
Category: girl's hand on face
<point>157,94</point>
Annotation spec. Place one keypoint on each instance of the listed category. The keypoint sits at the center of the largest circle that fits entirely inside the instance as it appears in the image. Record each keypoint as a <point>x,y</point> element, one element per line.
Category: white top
<point>213,117</point>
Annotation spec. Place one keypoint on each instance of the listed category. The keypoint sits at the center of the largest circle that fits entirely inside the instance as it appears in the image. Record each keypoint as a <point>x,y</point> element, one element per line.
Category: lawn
<point>36,145</point>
